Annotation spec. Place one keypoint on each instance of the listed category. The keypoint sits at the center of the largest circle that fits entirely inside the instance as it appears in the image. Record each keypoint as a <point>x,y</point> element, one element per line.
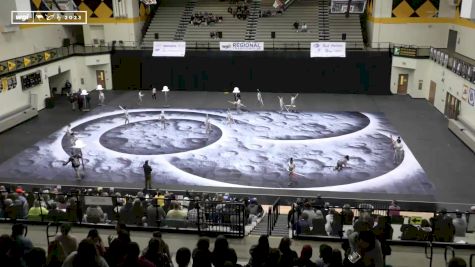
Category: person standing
<point>75,160</point>
<point>148,175</point>
<point>259,98</point>
<point>154,93</point>
<point>140,97</point>
<point>102,97</point>
<point>398,150</point>
<point>291,170</point>
<point>126,114</point>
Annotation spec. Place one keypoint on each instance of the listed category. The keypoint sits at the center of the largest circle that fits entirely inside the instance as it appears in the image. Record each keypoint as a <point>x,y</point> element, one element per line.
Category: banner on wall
<point>465,92</point>
<point>169,49</point>
<point>241,46</point>
<point>471,97</point>
<point>328,49</point>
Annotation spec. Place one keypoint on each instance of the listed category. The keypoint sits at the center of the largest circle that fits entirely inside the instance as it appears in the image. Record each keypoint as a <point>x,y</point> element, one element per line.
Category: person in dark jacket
<point>148,175</point>
<point>260,252</point>
<point>201,254</point>
<point>222,253</point>
<point>288,256</point>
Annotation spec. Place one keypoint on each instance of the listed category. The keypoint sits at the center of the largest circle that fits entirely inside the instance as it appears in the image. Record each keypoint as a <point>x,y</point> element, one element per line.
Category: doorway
<point>101,78</point>
<point>402,84</point>
<point>432,90</point>
<point>452,41</point>
<point>452,107</point>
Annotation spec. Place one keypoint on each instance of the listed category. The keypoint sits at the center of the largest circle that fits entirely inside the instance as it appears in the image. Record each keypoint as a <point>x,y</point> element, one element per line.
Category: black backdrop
<point>364,72</point>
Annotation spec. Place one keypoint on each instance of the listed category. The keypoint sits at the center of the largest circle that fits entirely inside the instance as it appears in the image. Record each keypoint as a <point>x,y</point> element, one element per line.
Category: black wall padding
<point>361,72</point>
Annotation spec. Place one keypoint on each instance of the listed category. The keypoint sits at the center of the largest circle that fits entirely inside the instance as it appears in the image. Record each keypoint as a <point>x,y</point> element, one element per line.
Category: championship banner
<point>241,46</point>
<point>169,49</point>
<point>328,49</point>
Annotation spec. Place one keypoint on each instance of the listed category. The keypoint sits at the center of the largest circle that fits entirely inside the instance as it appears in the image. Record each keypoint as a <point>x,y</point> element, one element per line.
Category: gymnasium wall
<point>282,71</point>
<point>82,71</point>
<point>426,70</point>
<point>420,23</point>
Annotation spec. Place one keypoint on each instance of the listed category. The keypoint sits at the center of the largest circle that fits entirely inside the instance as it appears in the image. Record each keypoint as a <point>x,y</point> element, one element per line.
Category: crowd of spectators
<point>152,208</point>
<point>240,10</point>
<point>205,19</point>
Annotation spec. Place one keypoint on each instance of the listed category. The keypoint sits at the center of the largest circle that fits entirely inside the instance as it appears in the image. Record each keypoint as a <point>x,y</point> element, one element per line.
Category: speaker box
<point>156,36</point>
<point>220,35</point>
<point>272,35</point>
<point>343,36</point>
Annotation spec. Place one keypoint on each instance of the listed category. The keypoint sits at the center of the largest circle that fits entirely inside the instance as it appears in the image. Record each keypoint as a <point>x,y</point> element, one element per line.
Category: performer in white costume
<point>207,125</point>
<point>342,163</point>
<point>154,93</point>
<point>398,150</point>
<point>281,104</point>
<point>163,120</point>
<point>126,114</point>
<point>140,97</point>
<point>165,92</point>
<point>229,118</point>
<point>102,97</point>
<point>292,107</point>
<point>259,97</point>
<point>238,104</point>
<point>291,169</point>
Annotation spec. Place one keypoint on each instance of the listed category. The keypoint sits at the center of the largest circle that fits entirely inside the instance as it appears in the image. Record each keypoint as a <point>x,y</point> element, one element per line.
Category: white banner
<point>328,49</point>
<point>241,46</point>
<point>169,49</point>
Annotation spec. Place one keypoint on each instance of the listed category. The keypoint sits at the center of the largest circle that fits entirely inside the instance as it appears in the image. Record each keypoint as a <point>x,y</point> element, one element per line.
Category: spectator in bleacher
<point>67,241</point>
<point>260,252</point>
<point>132,258</point>
<point>6,246</point>
<point>94,236</point>
<point>163,245</point>
<point>55,214</point>
<point>154,254</point>
<point>125,213</point>
<point>176,213</point>
<point>326,254</point>
<point>457,262</point>
<point>95,215</point>
<point>383,232</point>
<point>222,253</point>
<point>460,224</point>
<point>55,254</point>
<point>394,209</point>
<point>73,211</point>
<point>155,213</point>
<point>308,209</point>
<point>318,227</point>
<point>9,209</point>
<point>288,256</point>
<point>37,212</point>
<point>22,243</point>
<point>183,256</point>
<point>202,254</point>
<point>347,214</point>
<point>443,226</point>
<point>255,210</point>
<point>138,212</point>
<point>302,225</point>
<point>305,257</point>
<point>296,25</point>
<point>336,258</point>
<point>21,204</point>
<point>366,244</point>
<point>36,257</point>
<point>115,255</point>
<point>319,202</point>
<point>86,255</point>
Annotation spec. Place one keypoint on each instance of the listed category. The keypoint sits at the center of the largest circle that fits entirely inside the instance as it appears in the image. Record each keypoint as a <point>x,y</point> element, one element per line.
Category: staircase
<point>185,20</point>
<point>253,19</point>
<point>280,228</point>
<point>323,20</point>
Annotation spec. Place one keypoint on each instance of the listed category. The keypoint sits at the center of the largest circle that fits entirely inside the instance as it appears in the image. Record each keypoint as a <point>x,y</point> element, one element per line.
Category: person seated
<point>460,224</point>
<point>304,28</point>
<point>176,213</point>
<point>296,25</point>
<point>230,10</point>
<point>37,212</point>
<point>95,215</point>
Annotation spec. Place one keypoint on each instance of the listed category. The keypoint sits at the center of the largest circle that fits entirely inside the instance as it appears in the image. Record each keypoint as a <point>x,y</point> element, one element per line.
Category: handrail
<point>50,224</point>
<point>447,248</point>
<point>429,257</point>
<point>273,216</point>
<point>471,259</point>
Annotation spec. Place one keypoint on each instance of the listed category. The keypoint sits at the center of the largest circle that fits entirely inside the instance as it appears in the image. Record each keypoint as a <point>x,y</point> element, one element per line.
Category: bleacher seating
<point>340,24</point>
<point>233,29</point>
<point>302,11</point>
<point>165,22</point>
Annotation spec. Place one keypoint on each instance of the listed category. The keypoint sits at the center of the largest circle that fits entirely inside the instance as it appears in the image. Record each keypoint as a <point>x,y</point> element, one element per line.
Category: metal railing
<point>273,216</point>
<point>201,216</point>
<point>429,254</point>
